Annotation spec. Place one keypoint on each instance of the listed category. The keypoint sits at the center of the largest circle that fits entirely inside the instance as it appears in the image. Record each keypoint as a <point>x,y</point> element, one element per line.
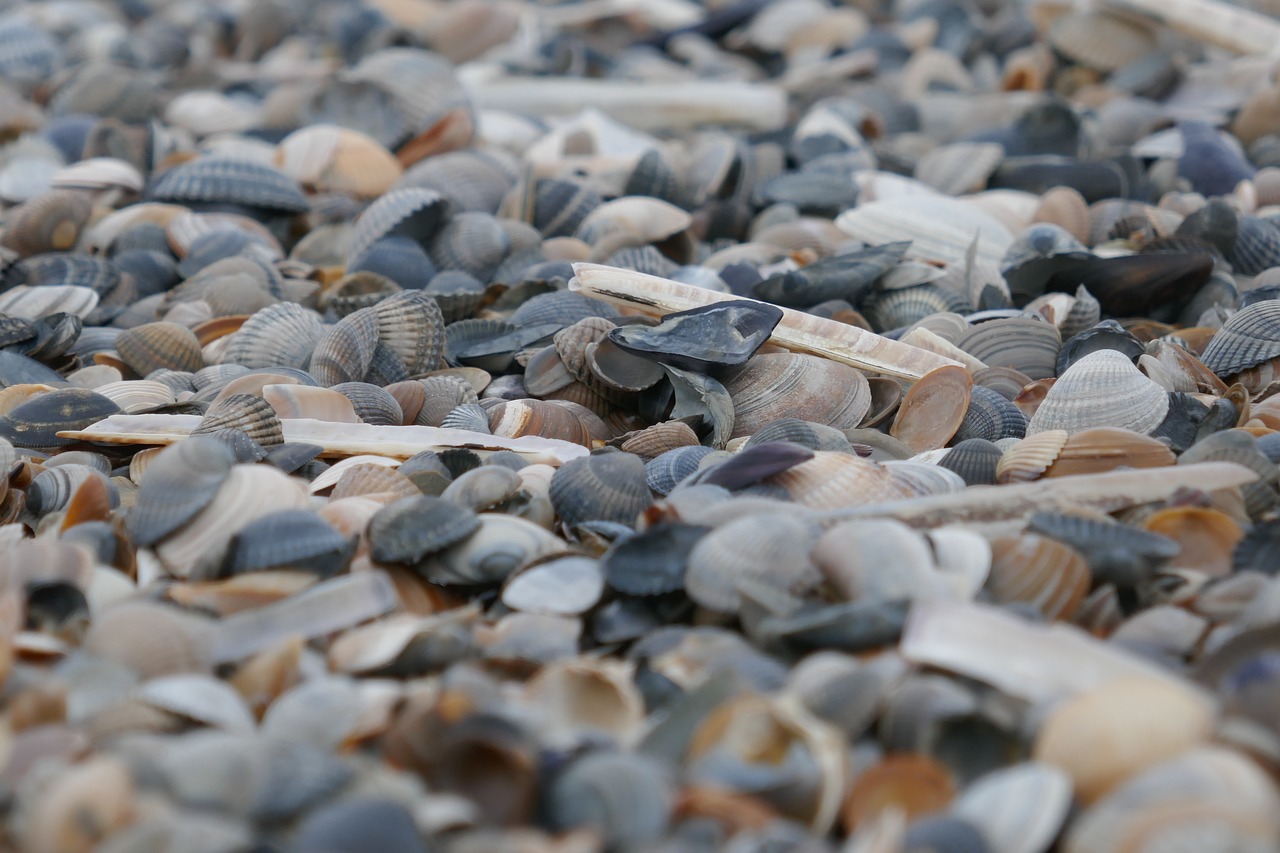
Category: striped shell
<point>326,158</point>
<point>280,335</point>
<point>1250,337</point>
<point>224,180</point>
<point>1101,389</point>
<point>1039,571</point>
<point>409,212</point>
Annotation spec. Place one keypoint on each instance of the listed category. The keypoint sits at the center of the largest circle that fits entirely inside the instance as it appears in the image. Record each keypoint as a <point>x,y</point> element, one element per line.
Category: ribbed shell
<point>1257,246</point>
<point>1038,571</point>
<point>411,326</point>
<point>154,346</point>
<point>608,485</point>
<point>472,180</point>
<point>761,548</point>
<point>1250,337</point>
<point>291,538</point>
<point>177,484</point>
<point>1026,345</point>
<point>344,353</point>
<point>472,242</point>
<point>975,460</point>
<point>280,335</point>
<point>247,412</point>
<point>665,471</point>
<point>832,480</point>
<point>373,405</point>
<point>224,180</point>
<point>410,212</point>
<point>777,385</point>
<point>991,416</point>
<point>1102,389</point>
<point>401,259</point>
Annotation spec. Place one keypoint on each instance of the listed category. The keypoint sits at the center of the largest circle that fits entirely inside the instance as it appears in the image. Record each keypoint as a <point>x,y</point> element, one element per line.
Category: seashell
<point>549,418</point>
<point>1031,456</point>
<point>1206,792</point>
<point>1042,572</point>
<point>81,808</point>
<point>49,222</point>
<point>627,799</point>
<point>32,303</point>
<point>1101,449</point>
<point>847,276</point>
<point>701,339</point>
<point>1207,537</point>
<point>412,528</point>
<point>767,549</point>
<point>1000,805</point>
<point>411,326</point>
<point>151,639</point>
<point>355,820</point>
<point>502,544</point>
<point>472,180</point>
<point>1134,284</point>
<point>330,159</point>
<point>357,290</point>
<point>1029,346</point>
<point>896,309</point>
<point>36,423</point>
<point>804,433</point>
<point>1105,335</point>
<point>1246,340</point>
<point>1066,208</point>
<point>1100,40</point>
<point>156,346</point>
<point>960,167</point>
<point>665,471</point>
<point>292,539</point>
<point>1101,389</point>
<point>408,212</point>
<point>303,401</point>
<point>817,390</point>
<point>372,404</point>
<point>561,586</point>
<point>1143,733</point>
<point>608,485</point>
<point>975,460</point>
<point>345,351</point>
<point>369,478</point>
<point>402,260</point>
<point>247,493</point>
<point>222,180</point>
<point>933,409</point>
<point>280,335</point>
<point>51,490</point>
<point>917,785</point>
<point>178,483</point>
<point>833,480</point>
<point>990,416</point>
<point>246,412</point>
<point>1040,252</point>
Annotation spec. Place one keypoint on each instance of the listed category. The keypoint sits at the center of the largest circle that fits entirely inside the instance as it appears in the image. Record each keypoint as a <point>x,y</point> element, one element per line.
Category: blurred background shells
<point>648,426</point>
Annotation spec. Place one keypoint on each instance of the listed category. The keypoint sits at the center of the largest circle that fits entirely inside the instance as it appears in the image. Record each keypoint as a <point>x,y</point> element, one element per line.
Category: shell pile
<point>662,426</point>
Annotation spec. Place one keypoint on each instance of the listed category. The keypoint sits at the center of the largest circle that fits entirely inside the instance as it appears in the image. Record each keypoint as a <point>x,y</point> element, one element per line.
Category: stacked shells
<point>482,426</point>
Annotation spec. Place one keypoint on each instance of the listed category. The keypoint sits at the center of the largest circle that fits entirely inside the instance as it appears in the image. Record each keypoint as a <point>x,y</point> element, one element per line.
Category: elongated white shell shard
<point>337,439</point>
<point>797,331</point>
<point>644,106</point>
<point>1037,663</point>
<point>1221,24</point>
<point>1109,492</point>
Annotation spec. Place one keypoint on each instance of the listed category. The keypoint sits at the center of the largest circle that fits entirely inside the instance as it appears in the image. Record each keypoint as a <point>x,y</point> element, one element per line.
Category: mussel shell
<point>1133,285</point>
<point>36,423</point>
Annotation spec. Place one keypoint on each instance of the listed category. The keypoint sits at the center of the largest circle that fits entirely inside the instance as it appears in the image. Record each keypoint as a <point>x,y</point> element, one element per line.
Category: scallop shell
<point>411,326</point>
<point>223,180</point>
<point>345,351</point>
<point>990,416</point>
<point>608,485</point>
<point>1101,389</point>
<point>280,335</point>
<point>408,212</point>
<point>246,412</point>
<point>156,346</point>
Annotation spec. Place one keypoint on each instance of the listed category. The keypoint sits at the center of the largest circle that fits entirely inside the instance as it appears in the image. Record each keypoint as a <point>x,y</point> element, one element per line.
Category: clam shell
<point>1042,572</point>
<point>1030,457</point>
<point>608,485</point>
<point>760,548</point>
<point>292,539</point>
<point>831,480</point>
<point>1101,449</point>
<point>777,385</point>
<point>1101,389</point>
<point>1029,346</point>
<point>990,416</point>
<point>412,528</point>
<point>665,471</point>
<point>1100,40</point>
<point>1018,809</point>
<point>501,545</point>
<point>372,404</point>
<point>49,222</point>
<point>1247,339</point>
<point>975,460</point>
<point>411,326</point>
<point>223,180</point>
<point>326,158</point>
<point>247,493</point>
<point>933,409</point>
<point>345,351</point>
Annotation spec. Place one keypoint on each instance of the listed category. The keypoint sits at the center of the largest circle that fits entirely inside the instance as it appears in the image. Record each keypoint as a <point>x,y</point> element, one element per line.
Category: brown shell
<point>1030,457</point>
<point>915,785</point>
<point>832,480</point>
<point>1208,537</point>
<point>325,158</point>
<point>160,345</point>
<point>366,479</point>
<point>1040,571</point>
<point>1106,448</point>
<point>933,409</point>
<point>49,222</point>
<point>547,418</point>
<point>659,438</point>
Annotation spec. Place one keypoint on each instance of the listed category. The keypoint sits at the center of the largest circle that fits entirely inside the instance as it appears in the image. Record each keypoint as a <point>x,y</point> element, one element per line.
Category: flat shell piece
<point>1109,492</point>
<point>400,442</point>
<point>796,331</point>
<point>1034,662</point>
<point>933,409</point>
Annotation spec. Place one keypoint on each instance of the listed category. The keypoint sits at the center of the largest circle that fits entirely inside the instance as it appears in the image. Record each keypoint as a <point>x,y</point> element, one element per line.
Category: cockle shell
<point>1103,389</point>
